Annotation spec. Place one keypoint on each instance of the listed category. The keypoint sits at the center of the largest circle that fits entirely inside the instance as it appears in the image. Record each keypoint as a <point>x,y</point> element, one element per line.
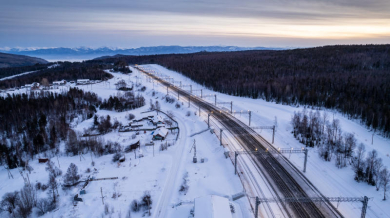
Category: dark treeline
<point>353,79</point>
<point>121,66</point>
<point>122,102</point>
<point>10,71</point>
<point>37,122</point>
<point>63,70</point>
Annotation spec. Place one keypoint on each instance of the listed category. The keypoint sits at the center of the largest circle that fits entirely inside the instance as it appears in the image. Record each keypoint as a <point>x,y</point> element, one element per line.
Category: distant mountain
<point>12,60</point>
<point>85,53</point>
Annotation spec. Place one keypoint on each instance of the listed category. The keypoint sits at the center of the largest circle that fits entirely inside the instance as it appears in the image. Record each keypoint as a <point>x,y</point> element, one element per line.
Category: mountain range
<point>86,53</point>
<point>12,60</point>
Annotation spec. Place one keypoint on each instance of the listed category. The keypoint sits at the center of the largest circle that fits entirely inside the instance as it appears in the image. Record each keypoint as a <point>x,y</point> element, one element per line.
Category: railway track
<point>280,173</point>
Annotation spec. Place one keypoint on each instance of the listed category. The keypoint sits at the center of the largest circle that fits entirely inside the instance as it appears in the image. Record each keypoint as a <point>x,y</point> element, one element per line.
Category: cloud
<point>99,19</point>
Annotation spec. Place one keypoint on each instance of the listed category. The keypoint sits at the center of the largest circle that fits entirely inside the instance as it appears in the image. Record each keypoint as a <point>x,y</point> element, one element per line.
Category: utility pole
<point>208,120</point>
<point>195,159</point>
<point>273,134</point>
<point>215,100</point>
<point>235,162</point>
<point>101,191</point>
<point>304,165</point>
<point>364,208</point>
<point>250,116</point>
<point>194,147</point>
<point>220,136</point>
<point>201,93</point>
<point>191,88</point>
<point>189,100</point>
<point>257,207</point>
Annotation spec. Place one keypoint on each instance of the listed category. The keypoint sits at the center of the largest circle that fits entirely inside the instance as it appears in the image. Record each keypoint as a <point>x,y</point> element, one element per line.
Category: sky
<point>136,23</point>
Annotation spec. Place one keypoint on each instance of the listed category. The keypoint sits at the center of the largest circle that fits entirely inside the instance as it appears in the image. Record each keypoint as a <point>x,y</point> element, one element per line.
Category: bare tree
<point>378,165</point>
<point>52,169</point>
<point>370,166</point>
<point>44,205</point>
<point>26,201</point>
<point>151,107</point>
<point>358,162</point>
<point>385,180</point>
<point>10,201</point>
<point>168,122</point>
<point>158,107</point>
<point>350,144</point>
<point>121,84</point>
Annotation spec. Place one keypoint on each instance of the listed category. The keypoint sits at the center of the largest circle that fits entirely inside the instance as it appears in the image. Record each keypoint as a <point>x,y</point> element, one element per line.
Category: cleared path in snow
<point>173,177</point>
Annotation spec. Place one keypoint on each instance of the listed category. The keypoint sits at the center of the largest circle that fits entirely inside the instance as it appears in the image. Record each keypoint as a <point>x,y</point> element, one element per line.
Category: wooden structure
<point>43,160</point>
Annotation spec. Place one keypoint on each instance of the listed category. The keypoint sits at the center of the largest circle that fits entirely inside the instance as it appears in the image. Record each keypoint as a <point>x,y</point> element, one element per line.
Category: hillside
<point>353,79</point>
<point>59,71</point>
<point>12,60</point>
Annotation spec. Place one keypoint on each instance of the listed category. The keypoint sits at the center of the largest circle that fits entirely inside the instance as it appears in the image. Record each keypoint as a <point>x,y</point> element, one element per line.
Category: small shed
<point>59,83</point>
<point>212,206</point>
<point>43,160</point>
<point>157,120</point>
<point>160,134</point>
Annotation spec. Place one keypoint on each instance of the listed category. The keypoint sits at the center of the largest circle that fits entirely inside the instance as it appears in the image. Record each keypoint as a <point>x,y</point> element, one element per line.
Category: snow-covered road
<point>173,177</point>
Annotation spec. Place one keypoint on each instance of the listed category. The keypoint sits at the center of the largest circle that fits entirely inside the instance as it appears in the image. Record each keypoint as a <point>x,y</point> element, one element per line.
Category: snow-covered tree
<point>71,175</point>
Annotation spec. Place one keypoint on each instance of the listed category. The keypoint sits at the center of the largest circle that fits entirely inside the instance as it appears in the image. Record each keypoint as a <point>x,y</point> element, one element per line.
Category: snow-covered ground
<point>325,176</point>
<point>162,173</point>
<point>159,172</point>
<point>10,77</point>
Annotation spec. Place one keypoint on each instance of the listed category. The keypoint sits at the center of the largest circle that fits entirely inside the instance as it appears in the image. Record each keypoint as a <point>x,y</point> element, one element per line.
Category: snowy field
<point>331,181</point>
<point>161,173</point>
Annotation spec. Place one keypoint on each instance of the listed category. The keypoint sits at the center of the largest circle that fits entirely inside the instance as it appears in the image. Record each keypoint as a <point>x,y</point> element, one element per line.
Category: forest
<point>353,79</point>
<point>10,71</point>
<point>37,122</point>
<point>60,71</point>
<point>315,130</point>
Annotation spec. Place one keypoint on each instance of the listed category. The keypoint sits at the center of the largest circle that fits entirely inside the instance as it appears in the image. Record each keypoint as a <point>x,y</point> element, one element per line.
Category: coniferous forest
<point>353,79</point>
<point>39,121</point>
<point>60,71</point>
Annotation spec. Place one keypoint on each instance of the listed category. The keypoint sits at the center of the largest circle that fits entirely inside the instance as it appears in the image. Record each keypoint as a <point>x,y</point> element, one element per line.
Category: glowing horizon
<point>150,23</point>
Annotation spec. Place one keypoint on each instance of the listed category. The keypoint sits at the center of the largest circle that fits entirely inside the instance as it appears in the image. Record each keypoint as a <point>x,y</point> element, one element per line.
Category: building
<point>59,83</point>
<point>35,85</point>
<point>157,120</point>
<point>160,133</point>
<point>212,206</point>
<point>82,81</point>
<point>136,125</point>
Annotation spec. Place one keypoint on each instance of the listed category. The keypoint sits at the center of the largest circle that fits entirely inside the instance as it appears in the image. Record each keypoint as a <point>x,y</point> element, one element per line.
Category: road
<point>286,180</point>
